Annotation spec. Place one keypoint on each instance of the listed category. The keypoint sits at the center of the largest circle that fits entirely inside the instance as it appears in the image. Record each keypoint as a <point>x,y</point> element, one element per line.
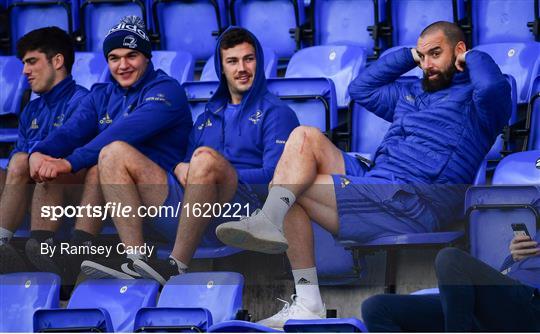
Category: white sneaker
<point>256,233</point>
<point>296,311</point>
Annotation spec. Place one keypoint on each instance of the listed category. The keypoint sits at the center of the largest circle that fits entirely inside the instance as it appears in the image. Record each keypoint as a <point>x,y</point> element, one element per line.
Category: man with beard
<point>442,127</point>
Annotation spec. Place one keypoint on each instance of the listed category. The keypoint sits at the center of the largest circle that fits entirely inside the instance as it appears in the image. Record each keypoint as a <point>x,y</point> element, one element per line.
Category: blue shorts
<point>244,202</point>
<point>371,207</point>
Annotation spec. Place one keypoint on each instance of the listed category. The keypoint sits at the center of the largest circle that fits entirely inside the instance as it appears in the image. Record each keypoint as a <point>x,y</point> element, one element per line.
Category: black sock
<point>81,237</point>
<point>42,236</point>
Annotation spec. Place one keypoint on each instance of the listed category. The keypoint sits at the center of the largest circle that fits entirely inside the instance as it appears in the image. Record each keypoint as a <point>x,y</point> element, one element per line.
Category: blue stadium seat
<point>410,17</point>
<point>27,15</point>
<point>177,64</point>
<point>8,135</point>
<point>513,198</point>
<point>13,85</point>
<point>89,68</point>
<point>496,21</point>
<point>98,16</point>
<point>194,301</point>
<point>198,94</point>
<point>533,118</point>
<point>189,25</point>
<point>312,99</point>
<point>240,326</point>
<point>106,305</point>
<point>270,67</point>
<point>271,21</point>
<point>349,22</point>
<point>4,163</point>
<point>520,60</point>
<point>21,294</point>
<point>415,72</point>
<point>340,63</point>
<point>337,325</point>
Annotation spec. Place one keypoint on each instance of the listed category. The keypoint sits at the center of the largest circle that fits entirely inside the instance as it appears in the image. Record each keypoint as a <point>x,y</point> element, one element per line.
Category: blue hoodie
<point>153,115</point>
<point>47,113</point>
<point>437,140</point>
<point>255,139</point>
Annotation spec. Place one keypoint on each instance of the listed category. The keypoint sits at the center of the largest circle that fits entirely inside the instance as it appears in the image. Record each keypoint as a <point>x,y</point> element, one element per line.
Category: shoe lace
<point>288,308</point>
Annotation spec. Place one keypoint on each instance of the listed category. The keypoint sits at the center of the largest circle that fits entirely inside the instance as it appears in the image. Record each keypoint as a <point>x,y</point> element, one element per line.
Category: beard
<point>444,79</point>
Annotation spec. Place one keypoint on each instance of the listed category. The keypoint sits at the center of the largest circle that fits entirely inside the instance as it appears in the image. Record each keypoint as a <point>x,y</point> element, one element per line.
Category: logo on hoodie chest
<point>256,117</point>
<point>206,124</point>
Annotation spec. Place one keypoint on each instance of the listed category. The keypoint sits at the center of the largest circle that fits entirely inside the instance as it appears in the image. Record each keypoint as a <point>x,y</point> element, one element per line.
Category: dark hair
<point>235,36</point>
<point>50,41</point>
<point>452,31</point>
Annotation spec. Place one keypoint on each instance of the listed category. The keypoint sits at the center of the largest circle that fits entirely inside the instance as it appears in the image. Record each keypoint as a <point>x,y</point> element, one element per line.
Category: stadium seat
<point>349,22</point>
<point>194,301</point>
<point>497,21</point>
<point>340,63</point>
<point>27,15</point>
<point>189,25</point>
<point>338,325</point>
<point>270,67</point>
<point>533,118</point>
<point>21,294</point>
<point>271,21</point>
<point>312,99</point>
<point>415,72</point>
<point>105,305</point>
<point>177,64</point>
<point>13,84</point>
<point>198,94</point>
<point>240,326</point>
<point>410,17</point>
<point>98,16</point>
<point>520,60</point>
<point>89,68</point>
<point>513,198</point>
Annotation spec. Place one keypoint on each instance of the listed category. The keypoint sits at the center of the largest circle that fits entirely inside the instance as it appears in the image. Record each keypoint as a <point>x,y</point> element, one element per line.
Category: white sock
<point>278,203</point>
<point>182,267</point>
<point>307,288</point>
<point>5,236</point>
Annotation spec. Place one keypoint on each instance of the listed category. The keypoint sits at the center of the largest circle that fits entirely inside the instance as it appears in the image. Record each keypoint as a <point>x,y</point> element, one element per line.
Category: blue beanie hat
<point>130,33</point>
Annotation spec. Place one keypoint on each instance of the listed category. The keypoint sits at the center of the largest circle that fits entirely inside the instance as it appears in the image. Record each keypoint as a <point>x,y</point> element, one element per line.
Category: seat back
<point>410,17</point>
<point>346,22</point>
<point>178,64</point>
<point>189,25</point>
<point>270,66</point>
<point>198,94</point>
<point>340,63</point>
<point>520,60</point>
<point>120,298</point>
<point>89,68</point>
<point>218,292</point>
<point>415,72</point>
<point>497,21</point>
<point>533,142</point>
<point>97,17</point>
<point>27,15</point>
<point>271,21</point>
<point>312,99</point>
<point>13,85</point>
<point>21,294</point>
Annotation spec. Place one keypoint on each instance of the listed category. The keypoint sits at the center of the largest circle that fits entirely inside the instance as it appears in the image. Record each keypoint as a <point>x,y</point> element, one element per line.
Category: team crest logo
<point>130,41</point>
<point>538,163</point>
<point>106,119</point>
<point>59,121</point>
<point>256,117</point>
<point>344,181</point>
<point>34,124</point>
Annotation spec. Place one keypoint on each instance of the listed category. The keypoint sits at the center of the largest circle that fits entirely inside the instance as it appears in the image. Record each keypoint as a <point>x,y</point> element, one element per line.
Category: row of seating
<point>281,25</point>
<point>212,301</point>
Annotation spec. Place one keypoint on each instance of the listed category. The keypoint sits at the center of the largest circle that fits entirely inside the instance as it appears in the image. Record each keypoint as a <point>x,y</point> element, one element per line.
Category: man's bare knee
<point>18,169</point>
<point>114,152</point>
<point>204,165</point>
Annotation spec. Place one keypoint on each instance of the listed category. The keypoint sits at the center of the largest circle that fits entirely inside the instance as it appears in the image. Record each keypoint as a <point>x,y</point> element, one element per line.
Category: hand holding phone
<point>521,245</point>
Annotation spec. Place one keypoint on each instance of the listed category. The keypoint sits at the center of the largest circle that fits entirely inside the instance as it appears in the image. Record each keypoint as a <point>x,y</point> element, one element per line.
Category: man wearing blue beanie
<point>139,105</point>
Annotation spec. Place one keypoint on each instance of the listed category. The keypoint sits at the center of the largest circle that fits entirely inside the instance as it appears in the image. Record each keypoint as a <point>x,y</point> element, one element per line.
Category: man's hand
<point>416,57</point>
<point>460,61</point>
<point>522,247</point>
<point>35,161</point>
<point>51,168</point>
<point>181,171</point>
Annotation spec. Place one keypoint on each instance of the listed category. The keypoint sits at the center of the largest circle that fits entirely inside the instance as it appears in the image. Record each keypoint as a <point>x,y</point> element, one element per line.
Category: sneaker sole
<point>245,240</point>
<point>40,261</point>
<point>146,271</point>
<point>96,270</point>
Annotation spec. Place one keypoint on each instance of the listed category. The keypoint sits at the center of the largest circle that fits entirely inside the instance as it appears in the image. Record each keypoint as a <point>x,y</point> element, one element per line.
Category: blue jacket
<point>153,115</point>
<point>47,113</point>
<point>527,271</point>
<point>437,140</point>
<point>259,131</point>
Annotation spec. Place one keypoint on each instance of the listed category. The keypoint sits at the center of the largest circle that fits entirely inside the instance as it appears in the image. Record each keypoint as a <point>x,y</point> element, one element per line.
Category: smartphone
<point>520,229</point>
